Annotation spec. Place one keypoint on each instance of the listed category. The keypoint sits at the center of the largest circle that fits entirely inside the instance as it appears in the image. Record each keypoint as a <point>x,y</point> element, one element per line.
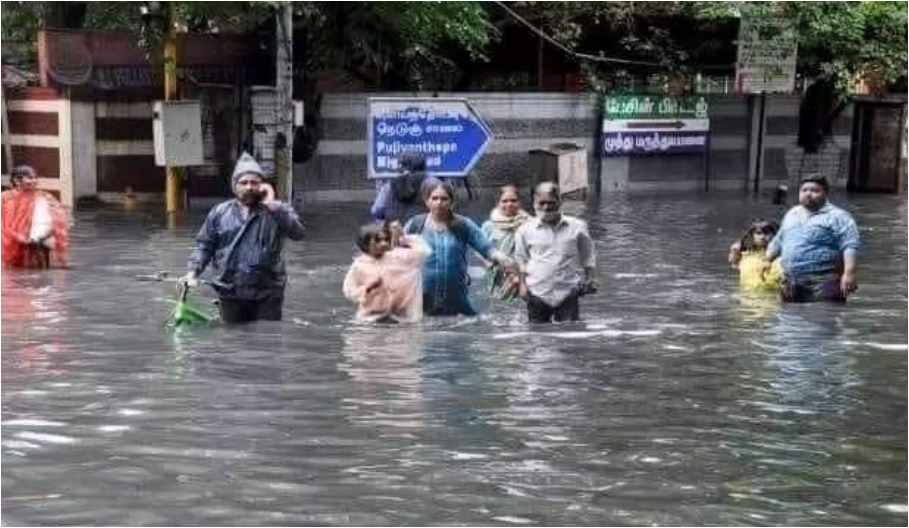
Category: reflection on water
<point>677,400</point>
<point>384,364</point>
<point>755,308</point>
<point>35,312</point>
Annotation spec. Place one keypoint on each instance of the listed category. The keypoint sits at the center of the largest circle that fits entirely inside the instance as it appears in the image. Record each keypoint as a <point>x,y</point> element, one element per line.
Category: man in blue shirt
<point>817,244</point>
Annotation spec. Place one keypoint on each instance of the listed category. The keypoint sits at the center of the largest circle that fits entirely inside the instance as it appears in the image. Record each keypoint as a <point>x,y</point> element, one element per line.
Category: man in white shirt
<point>557,259</point>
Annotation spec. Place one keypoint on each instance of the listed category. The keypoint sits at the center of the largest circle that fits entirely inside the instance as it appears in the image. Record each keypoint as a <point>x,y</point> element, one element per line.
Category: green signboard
<point>648,124</point>
<point>654,107</point>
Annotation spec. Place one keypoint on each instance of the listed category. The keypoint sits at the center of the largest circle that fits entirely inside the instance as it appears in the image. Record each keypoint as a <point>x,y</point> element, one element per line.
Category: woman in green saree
<point>503,222</point>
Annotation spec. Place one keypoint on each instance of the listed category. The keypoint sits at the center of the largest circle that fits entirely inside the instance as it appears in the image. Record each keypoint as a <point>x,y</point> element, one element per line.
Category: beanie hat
<point>246,164</point>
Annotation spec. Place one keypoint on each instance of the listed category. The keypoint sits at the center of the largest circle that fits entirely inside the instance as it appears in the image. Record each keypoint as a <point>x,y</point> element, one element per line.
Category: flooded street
<point>676,401</point>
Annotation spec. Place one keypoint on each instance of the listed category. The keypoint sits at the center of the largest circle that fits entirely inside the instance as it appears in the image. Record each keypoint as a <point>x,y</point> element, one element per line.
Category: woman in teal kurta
<point>449,235</point>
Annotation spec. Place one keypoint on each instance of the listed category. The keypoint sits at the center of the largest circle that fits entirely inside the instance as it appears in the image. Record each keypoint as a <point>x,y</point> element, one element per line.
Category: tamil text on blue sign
<point>447,132</point>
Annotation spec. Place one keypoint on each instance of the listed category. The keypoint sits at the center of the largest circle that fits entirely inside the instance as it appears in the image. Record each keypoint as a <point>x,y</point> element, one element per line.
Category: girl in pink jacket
<point>386,281</point>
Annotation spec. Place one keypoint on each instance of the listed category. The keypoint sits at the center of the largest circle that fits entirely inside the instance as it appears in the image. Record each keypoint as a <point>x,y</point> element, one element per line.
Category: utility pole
<point>284,85</point>
<point>172,189</point>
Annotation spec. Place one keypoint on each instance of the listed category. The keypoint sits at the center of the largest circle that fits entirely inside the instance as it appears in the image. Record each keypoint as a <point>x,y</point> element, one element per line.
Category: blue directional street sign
<point>448,132</point>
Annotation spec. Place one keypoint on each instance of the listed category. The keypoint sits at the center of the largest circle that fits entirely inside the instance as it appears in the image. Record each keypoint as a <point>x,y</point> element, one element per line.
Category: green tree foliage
<point>411,45</point>
<point>837,40</point>
<point>396,44</point>
<point>633,27</point>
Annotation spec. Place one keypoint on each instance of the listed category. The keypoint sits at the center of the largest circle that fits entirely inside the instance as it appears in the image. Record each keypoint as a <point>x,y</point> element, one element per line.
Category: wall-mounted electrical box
<point>178,133</point>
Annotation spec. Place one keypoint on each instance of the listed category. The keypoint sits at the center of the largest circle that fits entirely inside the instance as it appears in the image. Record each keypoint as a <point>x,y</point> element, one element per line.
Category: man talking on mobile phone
<point>242,239</point>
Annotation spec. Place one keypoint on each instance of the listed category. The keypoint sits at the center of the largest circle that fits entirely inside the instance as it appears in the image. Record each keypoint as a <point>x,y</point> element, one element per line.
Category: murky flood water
<point>675,401</point>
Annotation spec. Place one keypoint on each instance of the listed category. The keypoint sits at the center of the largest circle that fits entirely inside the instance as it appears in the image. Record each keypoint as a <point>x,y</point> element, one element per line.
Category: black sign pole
<point>600,146</point>
<point>707,163</point>
<point>760,143</point>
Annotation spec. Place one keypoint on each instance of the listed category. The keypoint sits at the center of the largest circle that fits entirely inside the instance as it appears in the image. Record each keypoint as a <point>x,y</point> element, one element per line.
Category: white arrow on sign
<point>656,125</point>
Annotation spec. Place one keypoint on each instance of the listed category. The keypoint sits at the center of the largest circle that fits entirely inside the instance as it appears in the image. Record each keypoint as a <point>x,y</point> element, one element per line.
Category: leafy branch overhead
<point>412,45</point>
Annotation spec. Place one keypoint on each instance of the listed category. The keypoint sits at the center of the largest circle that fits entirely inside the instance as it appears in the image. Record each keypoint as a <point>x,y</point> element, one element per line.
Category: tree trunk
<point>68,15</point>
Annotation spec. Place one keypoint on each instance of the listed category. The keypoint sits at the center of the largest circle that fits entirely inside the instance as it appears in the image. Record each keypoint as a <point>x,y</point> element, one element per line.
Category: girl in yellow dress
<point>747,256</point>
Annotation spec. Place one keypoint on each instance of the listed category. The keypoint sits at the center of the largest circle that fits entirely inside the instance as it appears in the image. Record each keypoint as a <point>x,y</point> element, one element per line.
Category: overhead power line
<point>566,49</point>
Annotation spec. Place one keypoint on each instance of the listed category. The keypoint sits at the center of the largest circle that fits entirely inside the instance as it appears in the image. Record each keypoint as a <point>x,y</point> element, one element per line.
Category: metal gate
<point>877,141</point>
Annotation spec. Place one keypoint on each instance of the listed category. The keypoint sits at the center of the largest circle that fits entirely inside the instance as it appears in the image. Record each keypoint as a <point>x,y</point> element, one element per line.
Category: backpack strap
<point>417,224</point>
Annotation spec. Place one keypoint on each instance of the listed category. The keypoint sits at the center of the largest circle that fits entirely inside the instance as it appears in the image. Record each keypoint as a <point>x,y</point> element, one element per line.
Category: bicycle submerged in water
<point>185,312</point>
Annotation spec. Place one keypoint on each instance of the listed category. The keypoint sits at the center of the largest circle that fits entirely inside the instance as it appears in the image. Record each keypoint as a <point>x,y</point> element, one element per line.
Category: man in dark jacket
<point>242,239</point>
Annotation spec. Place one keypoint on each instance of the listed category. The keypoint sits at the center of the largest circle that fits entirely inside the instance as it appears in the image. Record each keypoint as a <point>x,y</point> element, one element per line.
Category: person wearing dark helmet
<point>35,225</point>
<point>818,246</point>
<point>242,239</point>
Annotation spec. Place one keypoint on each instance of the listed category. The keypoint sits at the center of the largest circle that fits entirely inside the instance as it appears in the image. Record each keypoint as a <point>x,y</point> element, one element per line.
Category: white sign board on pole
<point>767,52</point>
<point>177,133</point>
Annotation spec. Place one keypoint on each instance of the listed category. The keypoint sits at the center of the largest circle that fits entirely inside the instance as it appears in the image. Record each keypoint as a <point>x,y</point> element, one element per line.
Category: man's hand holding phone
<point>268,199</point>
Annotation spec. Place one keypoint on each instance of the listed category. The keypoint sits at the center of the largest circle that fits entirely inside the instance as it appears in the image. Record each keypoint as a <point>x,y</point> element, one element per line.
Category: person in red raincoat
<point>35,228</point>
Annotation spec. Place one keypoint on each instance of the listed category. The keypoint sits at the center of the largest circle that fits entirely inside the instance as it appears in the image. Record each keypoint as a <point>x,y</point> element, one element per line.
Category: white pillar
<point>65,150</point>
<point>84,153</point>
